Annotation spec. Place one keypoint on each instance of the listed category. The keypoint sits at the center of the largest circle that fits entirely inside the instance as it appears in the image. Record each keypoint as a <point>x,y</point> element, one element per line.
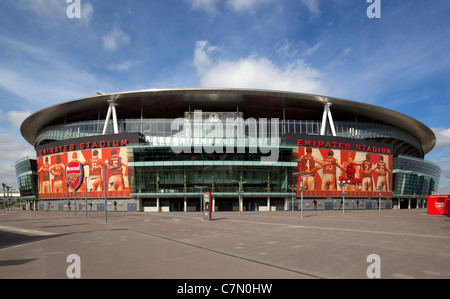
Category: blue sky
<point>400,61</point>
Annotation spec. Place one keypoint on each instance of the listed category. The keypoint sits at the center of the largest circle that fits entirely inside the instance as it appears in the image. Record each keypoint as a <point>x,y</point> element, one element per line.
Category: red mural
<point>363,172</point>
<point>98,164</point>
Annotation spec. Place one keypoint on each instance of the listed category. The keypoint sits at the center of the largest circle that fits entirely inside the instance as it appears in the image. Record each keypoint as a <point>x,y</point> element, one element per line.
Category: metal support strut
<point>111,109</point>
<point>327,112</point>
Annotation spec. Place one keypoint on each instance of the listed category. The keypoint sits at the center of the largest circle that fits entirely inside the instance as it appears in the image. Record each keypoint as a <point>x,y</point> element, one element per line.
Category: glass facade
<point>26,172</point>
<point>160,132</point>
<point>158,170</point>
<point>415,178</point>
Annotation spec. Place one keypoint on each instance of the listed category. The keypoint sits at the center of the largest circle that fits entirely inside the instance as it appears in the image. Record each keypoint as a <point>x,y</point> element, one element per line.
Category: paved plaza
<point>256,245</point>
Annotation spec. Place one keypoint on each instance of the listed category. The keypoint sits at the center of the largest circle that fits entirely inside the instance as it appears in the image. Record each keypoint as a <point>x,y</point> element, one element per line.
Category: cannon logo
<point>439,204</point>
<point>74,175</point>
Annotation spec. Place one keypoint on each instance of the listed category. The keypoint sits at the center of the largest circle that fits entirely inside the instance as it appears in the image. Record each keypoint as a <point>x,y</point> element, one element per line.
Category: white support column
<point>330,118</point>
<point>324,121</point>
<point>327,112</point>
<point>111,110</point>
<point>116,126</point>
<point>108,116</point>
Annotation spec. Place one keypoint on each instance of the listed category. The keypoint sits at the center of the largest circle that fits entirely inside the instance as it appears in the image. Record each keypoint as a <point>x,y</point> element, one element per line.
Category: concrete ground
<point>256,245</point>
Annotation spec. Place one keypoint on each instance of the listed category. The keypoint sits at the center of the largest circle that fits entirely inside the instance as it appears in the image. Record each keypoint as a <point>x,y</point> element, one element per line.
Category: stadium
<point>254,150</point>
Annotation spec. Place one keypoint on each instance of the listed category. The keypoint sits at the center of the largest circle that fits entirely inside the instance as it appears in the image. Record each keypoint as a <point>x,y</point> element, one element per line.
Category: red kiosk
<point>438,204</point>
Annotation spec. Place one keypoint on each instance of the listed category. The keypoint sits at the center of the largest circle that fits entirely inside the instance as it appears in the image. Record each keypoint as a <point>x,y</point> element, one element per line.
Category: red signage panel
<point>438,204</point>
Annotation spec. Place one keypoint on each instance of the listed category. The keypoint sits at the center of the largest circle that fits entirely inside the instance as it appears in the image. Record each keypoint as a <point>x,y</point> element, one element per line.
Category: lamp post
<point>11,190</point>
<point>293,187</point>
<point>8,198</point>
<point>106,197</point>
<point>4,198</point>
<point>75,201</point>
<point>302,175</point>
<point>68,199</point>
<point>86,179</point>
<point>343,184</point>
<point>379,197</point>
<point>240,184</point>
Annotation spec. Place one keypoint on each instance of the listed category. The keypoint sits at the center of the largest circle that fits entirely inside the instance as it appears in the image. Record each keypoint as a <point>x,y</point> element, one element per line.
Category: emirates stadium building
<point>254,150</point>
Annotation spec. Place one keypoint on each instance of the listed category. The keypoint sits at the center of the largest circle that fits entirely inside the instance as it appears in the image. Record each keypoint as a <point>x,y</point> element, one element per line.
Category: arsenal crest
<point>439,205</point>
<point>74,175</point>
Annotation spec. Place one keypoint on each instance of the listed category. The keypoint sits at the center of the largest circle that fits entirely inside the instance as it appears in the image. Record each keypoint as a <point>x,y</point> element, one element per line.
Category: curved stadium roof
<point>172,103</point>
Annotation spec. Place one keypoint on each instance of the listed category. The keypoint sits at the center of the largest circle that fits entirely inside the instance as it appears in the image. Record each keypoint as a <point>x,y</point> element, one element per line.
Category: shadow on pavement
<point>8,239</point>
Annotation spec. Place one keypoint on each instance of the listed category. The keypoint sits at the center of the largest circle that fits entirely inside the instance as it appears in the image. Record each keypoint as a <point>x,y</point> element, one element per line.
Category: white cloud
<point>311,50</point>
<point>115,39</point>
<point>123,66</point>
<point>16,118</point>
<point>87,11</point>
<point>43,76</point>
<point>11,150</point>
<point>255,72</point>
<point>441,156</point>
<point>442,138</point>
<point>286,49</point>
<point>246,5</point>
<point>12,147</point>
<point>202,52</point>
<point>44,7</point>
<point>210,6</point>
<point>238,6</point>
<point>313,7</point>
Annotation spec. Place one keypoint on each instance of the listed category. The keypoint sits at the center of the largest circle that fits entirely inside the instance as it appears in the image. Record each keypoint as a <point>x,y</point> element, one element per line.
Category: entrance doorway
<point>227,204</point>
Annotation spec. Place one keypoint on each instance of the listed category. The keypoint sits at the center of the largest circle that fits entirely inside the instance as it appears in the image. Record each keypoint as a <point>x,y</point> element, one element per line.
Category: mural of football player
<point>45,170</point>
<point>95,172</point>
<point>329,172</point>
<point>382,169</point>
<point>114,164</point>
<point>366,176</point>
<point>309,166</point>
<point>57,170</point>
